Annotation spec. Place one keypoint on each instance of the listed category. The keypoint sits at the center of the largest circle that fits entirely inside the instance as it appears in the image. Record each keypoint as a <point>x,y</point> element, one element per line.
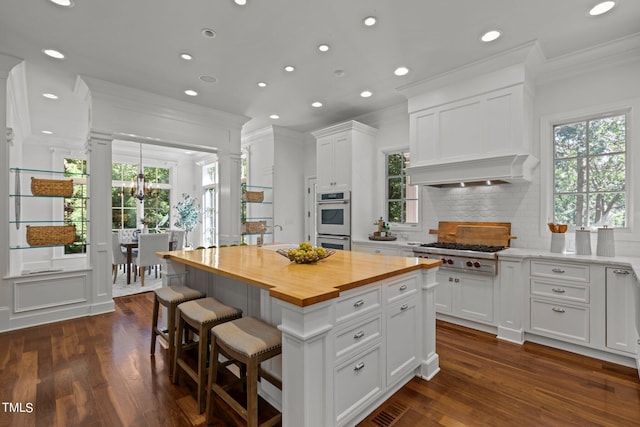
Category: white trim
<point>632,106</point>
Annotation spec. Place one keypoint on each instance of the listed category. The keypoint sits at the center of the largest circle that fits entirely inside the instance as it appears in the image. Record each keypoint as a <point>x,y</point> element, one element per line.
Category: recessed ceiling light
<point>274,116</point>
<point>65,3</point>
<point>401,71</point>
<point>188,152</point>
<point>240,2</point>
<point>191,92</point>
<point>370,21</point>
<point>366,93</point>
<point>208,33</point>
<point>46,132</point>
<point>262,84</point>
<point>491,35</point>
<point>186,56</point>
<point>601,8</point>
<point>289,68</point>
<point>323,48</point>
<point>316,104</point>
<point>53,53</point>
<point>208,79</point>
<point>50,95</point>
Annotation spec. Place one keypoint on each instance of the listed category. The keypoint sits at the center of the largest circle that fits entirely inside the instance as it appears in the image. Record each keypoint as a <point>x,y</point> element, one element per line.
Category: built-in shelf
<point>48,171</point>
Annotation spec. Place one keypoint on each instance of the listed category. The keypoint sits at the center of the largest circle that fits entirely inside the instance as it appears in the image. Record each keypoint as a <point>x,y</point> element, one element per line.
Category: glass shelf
<point>257,234</point>
<point>257,203</point>
<point>50,197</point>
<point>50,221</point>
<point>47,246</point>
<point>255,186</point>
<point>47,171</point>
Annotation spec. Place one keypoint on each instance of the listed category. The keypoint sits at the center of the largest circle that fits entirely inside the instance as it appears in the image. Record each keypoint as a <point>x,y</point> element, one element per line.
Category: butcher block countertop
<point>299,284</point>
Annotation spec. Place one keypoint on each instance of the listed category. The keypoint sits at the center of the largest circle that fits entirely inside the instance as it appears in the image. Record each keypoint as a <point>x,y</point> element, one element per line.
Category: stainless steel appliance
<point>334,220</point>
<point>334,242</point>
<point>470,258</point>
<point>334,213</point>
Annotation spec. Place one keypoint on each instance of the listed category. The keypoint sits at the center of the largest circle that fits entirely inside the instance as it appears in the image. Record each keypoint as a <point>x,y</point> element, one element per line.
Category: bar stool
<point>249,341</point>
<point>169,297</point>
<point>200,316</point>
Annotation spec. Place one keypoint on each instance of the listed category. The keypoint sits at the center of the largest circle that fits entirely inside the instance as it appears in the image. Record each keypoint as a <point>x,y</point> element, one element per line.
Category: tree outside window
<point>401,196</point>
<point>590,172</point>
<point>75,207</point>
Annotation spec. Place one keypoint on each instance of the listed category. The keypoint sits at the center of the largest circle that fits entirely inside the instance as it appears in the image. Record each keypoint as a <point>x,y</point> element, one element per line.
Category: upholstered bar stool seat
<point>169,297</point>
<point>249,341</point>
<point>200,315</point>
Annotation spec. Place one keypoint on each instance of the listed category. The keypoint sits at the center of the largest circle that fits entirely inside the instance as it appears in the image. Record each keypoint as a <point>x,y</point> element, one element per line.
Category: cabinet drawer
<point>401,288</point>
<point>353,305</point>
<point>560,270</point>
<point>560,320</point>
<point>357,382</point>
<point>560,291</point>
<point>358,336</point>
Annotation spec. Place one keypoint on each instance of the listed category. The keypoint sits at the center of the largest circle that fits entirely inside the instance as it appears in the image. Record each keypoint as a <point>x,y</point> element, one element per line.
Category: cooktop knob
<point>449,261</point>
<point>476,264</point>
<point>469,264</point>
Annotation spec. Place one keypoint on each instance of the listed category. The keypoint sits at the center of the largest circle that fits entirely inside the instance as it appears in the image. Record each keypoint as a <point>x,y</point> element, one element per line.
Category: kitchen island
<point>355,326</point>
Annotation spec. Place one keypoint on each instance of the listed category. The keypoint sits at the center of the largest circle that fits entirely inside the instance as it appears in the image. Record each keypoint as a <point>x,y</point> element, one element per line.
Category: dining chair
<point>126,235</point>
<point>148,245</point>
<point>118,258</point>
<point>177,236</point>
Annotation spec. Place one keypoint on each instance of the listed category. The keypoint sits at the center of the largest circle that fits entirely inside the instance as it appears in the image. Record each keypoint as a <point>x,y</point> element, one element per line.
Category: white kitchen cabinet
<point>345,161</point>
<point>334,154</point>
<point>392,249</point>
<point>560,300</point>
<point>621,321</point>
<point>402,339</point>
<point>469,296</point>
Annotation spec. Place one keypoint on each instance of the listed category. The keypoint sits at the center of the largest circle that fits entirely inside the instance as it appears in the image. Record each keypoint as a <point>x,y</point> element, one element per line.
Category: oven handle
<point>334,202</point>
<point>330,237</point>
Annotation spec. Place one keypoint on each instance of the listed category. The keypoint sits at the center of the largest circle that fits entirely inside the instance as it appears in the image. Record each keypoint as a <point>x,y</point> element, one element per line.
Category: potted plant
<point>188,215</point>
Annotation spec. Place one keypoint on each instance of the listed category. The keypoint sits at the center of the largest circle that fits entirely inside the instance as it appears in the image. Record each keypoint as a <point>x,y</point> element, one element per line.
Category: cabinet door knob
<point>621,272</point>
<point>358,303</point>
<point>403,288</point>
<point>558,290</point>
<point>358,366</point>
<point>557,270</point>
<point>558,310</point>
<point>404,307</point>
<point>358,335</point>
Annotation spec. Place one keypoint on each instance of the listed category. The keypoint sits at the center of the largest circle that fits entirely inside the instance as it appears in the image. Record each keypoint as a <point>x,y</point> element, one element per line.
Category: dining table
<point>130,246</point>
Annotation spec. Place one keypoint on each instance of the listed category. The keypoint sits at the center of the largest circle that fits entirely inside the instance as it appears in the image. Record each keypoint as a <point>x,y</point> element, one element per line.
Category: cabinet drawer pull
<point>358,366</point>
<point>557,270</point>
<point>404,307</point>
<point>558,290</point>
<point>404,287</point>
<point>358,335</point>
<point>358,303</point>
<point>558,310</point>
<point>621,272</point>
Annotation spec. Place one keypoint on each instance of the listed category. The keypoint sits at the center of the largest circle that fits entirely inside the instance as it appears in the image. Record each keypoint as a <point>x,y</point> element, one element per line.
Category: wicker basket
<point>253,227</point>
<point>52,187</point>
<point>252,196</point>
<point>51,235</point>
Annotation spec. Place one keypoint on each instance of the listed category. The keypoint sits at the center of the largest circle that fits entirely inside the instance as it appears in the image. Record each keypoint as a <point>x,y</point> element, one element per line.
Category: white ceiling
<point>137,43</point>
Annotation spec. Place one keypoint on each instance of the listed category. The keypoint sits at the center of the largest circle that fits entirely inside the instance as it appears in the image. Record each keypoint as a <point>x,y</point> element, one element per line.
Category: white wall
<point>518,203</point>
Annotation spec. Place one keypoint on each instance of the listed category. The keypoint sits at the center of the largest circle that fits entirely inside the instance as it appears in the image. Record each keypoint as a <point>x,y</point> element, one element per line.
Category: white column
<point>307,365</point>
<point>98,149</point>
<point>229,198</point>
<point>6,64</point>
<point>430,364</point>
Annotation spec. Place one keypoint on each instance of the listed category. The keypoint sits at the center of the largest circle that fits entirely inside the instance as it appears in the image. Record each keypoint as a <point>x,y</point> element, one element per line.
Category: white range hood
<point>511,168</point>
<point>473,125</point>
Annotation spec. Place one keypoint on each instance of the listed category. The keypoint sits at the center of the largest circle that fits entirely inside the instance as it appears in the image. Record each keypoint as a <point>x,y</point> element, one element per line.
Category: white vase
<point>558,242</point>
<point>583,242</point>
<point>606,244</point>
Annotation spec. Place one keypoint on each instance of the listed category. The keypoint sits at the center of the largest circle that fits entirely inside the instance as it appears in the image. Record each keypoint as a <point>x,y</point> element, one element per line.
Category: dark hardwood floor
<point>96,371</point>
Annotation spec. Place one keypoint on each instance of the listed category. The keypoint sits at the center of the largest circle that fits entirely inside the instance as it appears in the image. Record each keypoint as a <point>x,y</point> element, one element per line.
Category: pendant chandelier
<point>141,188</point>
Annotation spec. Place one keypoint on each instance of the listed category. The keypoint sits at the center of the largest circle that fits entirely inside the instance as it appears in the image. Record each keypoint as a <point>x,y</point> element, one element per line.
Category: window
<point>589,172</point>
<point>401,196</point>
<point>125,209</point>
<point>209,204</point>
<point>75,207</point>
